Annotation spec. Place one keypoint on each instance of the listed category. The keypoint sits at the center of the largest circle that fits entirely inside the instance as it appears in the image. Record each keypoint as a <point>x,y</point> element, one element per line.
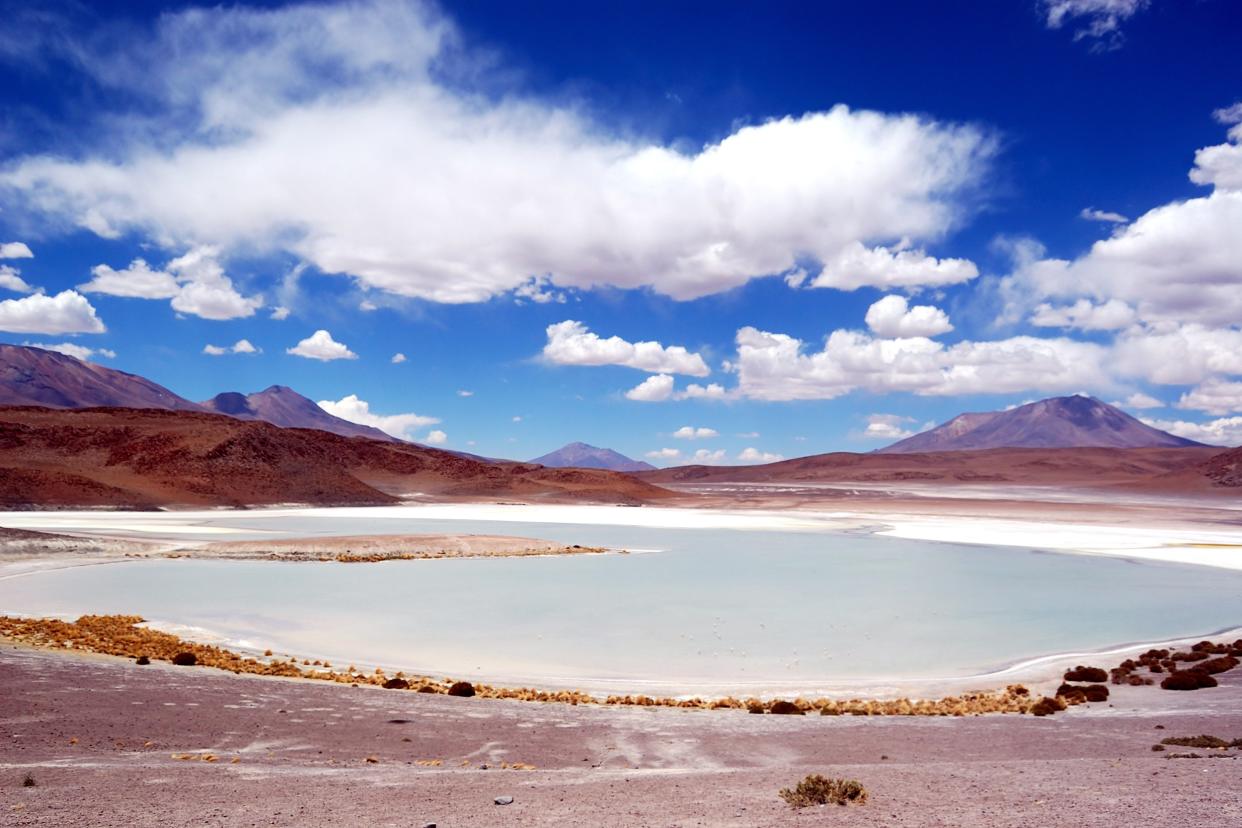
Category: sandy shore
<point>122,745</point>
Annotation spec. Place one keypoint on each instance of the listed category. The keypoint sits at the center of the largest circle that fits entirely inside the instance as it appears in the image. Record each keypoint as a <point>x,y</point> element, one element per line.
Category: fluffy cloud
<point>73,349</point>
<point>196,284</point>
<point>1140,401</point>
<point>1178,354</point>
<point>401,426</point>
<point>664,454</point>
<point>653,389</point>
<point>435,437</point>
<point>888,427</point>
<point>404,127</point>
<point>570,343</point>
<point>892,316</point>
<point>15,250</point>
<point>1092,214</point>
<point>1100,19</point>
<point>397,358</point>
<point>280,312</point>
<point>1214,396</point>
<point>10,279</point>
<point>709,458</point>
<point>1226,431</point>
<point>1086,315</point>
<point>754,455</point>
<point>320,345</point>
<point>692,433</point>
<point>858,266</point>
<point>711,391</point>
<point>773,366</point>
<point>241,346</point>
<point>66,312</point>
<point>1180,262</point>
<point>138,281</point>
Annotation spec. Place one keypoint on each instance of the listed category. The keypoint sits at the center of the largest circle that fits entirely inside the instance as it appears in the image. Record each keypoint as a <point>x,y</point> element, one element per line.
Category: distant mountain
<point>583,456</point>
<point>1059,422</point>
<point>287,408</point>
<point>34,376</point>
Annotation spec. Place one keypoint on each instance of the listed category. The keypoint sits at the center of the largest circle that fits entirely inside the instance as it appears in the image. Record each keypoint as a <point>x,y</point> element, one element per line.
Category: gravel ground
<point>99,735</point>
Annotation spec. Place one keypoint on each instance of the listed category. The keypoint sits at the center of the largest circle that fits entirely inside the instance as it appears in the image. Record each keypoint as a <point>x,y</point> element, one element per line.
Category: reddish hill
<point>33,376</point>
<point>144,458</point>
<point>1165,469</point>
<point>1059,422</point>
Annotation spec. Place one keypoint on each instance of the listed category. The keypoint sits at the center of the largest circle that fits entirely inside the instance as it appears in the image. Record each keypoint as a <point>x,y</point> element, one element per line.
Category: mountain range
<point>34,376</point>
<point>583,456</point>
<point>1058,422</point>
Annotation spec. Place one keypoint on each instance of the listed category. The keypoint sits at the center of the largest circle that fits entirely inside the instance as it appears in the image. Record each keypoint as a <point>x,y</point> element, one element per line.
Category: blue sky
<point>792,230</point>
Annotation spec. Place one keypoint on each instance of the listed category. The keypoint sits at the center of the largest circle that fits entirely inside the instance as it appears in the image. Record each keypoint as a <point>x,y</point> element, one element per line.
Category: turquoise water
<point>713,611</point>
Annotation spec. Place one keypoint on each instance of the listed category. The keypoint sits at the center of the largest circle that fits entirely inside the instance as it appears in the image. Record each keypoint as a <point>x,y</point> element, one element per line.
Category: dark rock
<point>462,688</point>
<point>503,800</point>
<point>396,684</point>
<point>142,660</point>
<point>784,708</point>
<point>427,688</point>
<point>185,659</point>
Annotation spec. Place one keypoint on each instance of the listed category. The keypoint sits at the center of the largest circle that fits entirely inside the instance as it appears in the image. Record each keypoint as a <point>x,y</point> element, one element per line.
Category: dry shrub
<point>820,790</point>
<point>1047,706</point>
<point>1092,674</point>
<point>185,659</point>
<point>142,660</point>
<point>785,708</point>
<point>1187,680</point>
<point>396,684</point>
<point>1203,741</point>
<point>29,781</point>
<point>462,688</point>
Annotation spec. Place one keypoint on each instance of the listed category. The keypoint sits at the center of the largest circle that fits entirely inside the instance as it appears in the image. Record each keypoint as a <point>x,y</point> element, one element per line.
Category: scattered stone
<point>503,800</point>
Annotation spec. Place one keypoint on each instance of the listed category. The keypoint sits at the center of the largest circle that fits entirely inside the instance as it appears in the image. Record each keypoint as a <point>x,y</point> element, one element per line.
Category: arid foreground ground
<point>110,743</point>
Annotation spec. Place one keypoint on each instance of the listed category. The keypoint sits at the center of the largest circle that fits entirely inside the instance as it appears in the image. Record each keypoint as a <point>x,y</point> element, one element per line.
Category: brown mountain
<point>583,456</point>
<point>1059,422</point>
<point>147,458</point>
<point>282,406</point>
<point>1194,469</point>
<point>34,376</point>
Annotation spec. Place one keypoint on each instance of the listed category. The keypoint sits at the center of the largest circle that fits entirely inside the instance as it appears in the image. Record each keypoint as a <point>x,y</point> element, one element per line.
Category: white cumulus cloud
<point>1085,315</point>
<point>774,366</point>
<point>241,346</point>
<point>1226,431</point>
<point>653,389</point>
<point>1100,20</point>
<point>65,313</point>
<point>1092,214</point>
<point>664,454</point>
<point>15,250</point>
<point>754,455</point>
<point>10,279</point>
<point>571,343</point>
<point>320,345</point>
<point>858,266</point>
<point>1214,396</point>
<point>435,437</point>
<point>692,433</point>
<point>406,127</point>
<point>893,317</point>
<point>397,358</point>
<point>401,426</point>
<point>888,427</point>
<point>195,282</point>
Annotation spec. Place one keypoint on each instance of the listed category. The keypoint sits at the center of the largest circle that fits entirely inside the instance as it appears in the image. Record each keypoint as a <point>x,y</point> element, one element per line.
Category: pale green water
<point>715,611</point>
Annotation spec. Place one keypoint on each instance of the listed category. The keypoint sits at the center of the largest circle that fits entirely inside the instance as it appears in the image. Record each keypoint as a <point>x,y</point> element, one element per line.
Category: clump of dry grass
<point>1203,741</point>
<point>820,790</point>
<point>29,781</point>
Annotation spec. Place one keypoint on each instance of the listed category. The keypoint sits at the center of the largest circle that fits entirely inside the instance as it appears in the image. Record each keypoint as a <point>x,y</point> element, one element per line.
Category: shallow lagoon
<point>711,611</point>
